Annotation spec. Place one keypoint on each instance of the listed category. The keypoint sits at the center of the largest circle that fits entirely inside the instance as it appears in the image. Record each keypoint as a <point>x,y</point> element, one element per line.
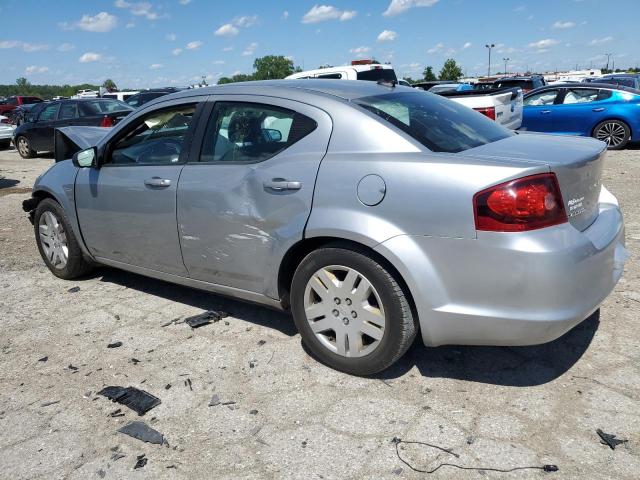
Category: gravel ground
<point>292,417</point>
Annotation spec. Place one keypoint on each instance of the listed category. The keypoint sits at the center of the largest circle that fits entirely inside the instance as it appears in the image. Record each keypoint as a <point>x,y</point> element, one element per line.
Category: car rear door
<point>245,196</point>
<point>578,112</point>
<point>127,207</point>
<point>538,113</point>
<point>41,133</point>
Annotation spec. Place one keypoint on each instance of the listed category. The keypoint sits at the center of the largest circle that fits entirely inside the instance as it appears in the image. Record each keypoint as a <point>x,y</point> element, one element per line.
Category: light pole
<point>489,46</point>
<point>505,60</point>
<point>608,57</point>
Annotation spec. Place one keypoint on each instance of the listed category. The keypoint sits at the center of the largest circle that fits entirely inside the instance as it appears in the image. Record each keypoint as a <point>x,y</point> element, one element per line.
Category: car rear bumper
<point>511,288</point>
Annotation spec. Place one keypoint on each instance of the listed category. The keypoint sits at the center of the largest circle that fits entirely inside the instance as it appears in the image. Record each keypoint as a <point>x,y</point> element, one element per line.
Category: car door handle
<point>599,109</point>
<point>280,184</point>
<point>545,111</point>
<point>157,182</point>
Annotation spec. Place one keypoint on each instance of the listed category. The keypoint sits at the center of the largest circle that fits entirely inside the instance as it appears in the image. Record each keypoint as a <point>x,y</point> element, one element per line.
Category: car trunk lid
<point>577,163</point>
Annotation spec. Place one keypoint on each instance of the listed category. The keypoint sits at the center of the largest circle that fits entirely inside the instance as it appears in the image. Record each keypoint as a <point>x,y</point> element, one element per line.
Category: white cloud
<point>171,37</point>
<point>66,47</point>
<point>387,36</point>
<point>27,47</point>
<point>156,66</point>
<point>560,24</point>
<point>285,15</point>
<point>467,45</point>
<point>176,51</point>
<point>194,45</point>
<point>184,2</point>
<point>245,21</point>
<point>600,41</point>
<point>322,13</point>
<point>540,44</point>
<point>396,7</point>
<point>90,57</point>
<point>226,30</point>
<point>360,52</point>
<point>139,9</point>
<point>251,48</point>
<point>438,47</point>
<point>130,25</point>
<point>218,62</point>
<point>31,69</point>
<point>101,22</point>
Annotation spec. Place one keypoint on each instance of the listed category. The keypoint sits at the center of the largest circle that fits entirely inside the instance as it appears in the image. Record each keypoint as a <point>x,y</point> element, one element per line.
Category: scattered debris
<point>137,400</point>
<point>117,413</point>
<point>253,412</point>
<point>187,383</point>
<point>255,430</point>
<point>175,321</point>
<point>230,402</point>
<point>171,466</point>
<point>74,290</point>
<point>203,319</point>
<point>304,443</point>
<point>135,361</point>
<point>72,368</point>
<point>610,440</point>
<point>117,456</point>
<point>141,461</point>
<point>397,441</point>
<point>252,363</point>
<point>261,342</point>
<point>53,402</point>
<point>470,440</point>
<point>141,431</point>
<point>215,400</point>
<point>102,473</point>
<point>167,386</point>
<point>43,359</point>
<point>114,345</point>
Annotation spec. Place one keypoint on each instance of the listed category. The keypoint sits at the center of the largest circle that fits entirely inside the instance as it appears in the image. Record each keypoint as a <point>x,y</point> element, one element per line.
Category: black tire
<point>400,328</point>
<point>24,147</point>
<point>604,130</point>
<point>5,144</point>
<point>76,264</point>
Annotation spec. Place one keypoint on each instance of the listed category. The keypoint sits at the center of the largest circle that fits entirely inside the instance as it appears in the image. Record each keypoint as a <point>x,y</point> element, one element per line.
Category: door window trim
<point>185,150</point>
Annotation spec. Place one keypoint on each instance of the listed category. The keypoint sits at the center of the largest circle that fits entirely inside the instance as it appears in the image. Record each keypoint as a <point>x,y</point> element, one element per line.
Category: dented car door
<point>245,196</point>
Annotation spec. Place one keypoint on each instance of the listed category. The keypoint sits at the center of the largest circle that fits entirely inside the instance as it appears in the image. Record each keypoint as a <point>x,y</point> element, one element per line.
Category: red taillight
<point>489,112</point>
<point>524,204</point>
<point>107,121</point>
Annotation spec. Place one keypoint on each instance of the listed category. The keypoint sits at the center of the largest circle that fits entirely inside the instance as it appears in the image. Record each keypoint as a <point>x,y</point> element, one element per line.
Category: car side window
<point>68,111</point>
<point>156,138</point>
<point>251,132</point>
<point>543,98</point>
<point>580,95</point>
<point>48,113</point>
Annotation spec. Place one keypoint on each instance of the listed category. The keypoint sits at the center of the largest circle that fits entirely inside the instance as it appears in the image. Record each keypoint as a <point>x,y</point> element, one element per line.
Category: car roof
<point>604,86</point>
<point>614,75</point>
<point>344,89</point>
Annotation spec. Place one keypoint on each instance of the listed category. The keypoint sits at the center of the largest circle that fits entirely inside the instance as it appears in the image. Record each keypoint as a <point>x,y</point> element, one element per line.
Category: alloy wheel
<point>23,146</point>
<point>344,311</point>
<point>53,239</point>
<point>612,133</point>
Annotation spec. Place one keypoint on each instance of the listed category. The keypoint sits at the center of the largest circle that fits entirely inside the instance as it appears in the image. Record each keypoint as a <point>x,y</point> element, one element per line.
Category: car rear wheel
<point>350,311</point>
<point>24,147</point>
<point>57,243</point>
<point>614,133</point>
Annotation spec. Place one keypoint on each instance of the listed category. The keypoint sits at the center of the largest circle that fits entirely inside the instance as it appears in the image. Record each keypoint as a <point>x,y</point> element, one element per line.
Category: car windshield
<point>513,83</point>
<point>624,81</point>
<point>105,106</point>
<point>376,74</point>
<point>438,123</point>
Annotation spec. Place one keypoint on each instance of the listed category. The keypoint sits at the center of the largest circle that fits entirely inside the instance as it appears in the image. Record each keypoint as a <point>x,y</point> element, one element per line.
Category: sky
<point>155,43</point>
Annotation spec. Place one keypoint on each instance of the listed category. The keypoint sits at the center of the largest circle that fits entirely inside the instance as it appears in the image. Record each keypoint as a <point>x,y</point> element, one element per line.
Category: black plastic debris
<point>167,386</point>
<point>141,461</point>
<point>141,431</point>
<point>74,290</point>
<point>137,400</point>
<point>72,368</point>
<point>253,412</point>
<point>117,413</point>
<point>261,342</point>
<point>114,345</point>
<point>135,361</point>
<point>215,400</point>
<point>46,404</point>
<point>187,383</point>
<point>610,440</point>
<point>203,319</point>
<point>43,359</point>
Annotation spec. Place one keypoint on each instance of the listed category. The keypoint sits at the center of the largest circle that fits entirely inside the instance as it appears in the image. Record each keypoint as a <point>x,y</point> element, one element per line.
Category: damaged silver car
<point>373,212</point>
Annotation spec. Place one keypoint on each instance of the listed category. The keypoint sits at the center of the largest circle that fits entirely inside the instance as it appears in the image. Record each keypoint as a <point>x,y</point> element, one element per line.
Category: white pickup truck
<point>502,105</point>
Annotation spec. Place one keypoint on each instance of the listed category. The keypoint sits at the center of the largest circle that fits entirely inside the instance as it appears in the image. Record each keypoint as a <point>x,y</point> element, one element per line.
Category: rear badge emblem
<point>575,206</point>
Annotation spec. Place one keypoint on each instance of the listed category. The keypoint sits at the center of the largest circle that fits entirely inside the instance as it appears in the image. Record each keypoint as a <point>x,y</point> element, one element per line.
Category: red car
<point>12,103</point>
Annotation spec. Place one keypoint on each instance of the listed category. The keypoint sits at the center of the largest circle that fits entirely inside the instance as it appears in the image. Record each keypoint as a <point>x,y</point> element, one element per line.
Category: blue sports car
<point>607,112</point>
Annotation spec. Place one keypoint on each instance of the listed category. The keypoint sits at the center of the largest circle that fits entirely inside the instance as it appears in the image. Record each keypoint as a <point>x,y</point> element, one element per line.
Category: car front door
<point>127,207</point>
<point>41,132</point>
<point>538,112</point>
<point>245,196</point>
<point>581,109</point>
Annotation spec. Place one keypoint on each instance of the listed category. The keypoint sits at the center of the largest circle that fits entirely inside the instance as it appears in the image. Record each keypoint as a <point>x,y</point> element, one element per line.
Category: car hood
<point>69,140</point>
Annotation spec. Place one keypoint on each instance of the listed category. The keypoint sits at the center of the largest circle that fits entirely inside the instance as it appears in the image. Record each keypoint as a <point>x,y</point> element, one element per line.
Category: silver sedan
<point>372,212</point>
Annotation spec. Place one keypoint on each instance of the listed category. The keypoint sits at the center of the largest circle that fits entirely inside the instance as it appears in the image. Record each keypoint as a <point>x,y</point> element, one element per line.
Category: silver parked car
<point>372,212</point>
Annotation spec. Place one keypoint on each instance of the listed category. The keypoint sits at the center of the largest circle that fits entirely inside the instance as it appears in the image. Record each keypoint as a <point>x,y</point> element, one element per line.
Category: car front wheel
<point>24,147</point>
<point>56,241</point>
<point>614,133</point>
<point>350,311</point>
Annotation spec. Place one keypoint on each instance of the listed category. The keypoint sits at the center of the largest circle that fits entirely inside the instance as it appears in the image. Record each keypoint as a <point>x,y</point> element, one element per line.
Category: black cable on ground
<point>397,441</point>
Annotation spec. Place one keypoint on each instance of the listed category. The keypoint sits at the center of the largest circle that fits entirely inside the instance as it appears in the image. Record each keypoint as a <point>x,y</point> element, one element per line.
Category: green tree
<point>451,70</point>
<point>272,67</point>
<point>428,74</point>
<point>238,77</point>
<point>110,85</point>
<point>22,82</point>
<point>410,80</point>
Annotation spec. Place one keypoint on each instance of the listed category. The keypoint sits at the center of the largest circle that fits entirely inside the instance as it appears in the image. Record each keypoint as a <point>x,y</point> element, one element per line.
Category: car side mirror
<point>85,158</point>
<point>273,135</point>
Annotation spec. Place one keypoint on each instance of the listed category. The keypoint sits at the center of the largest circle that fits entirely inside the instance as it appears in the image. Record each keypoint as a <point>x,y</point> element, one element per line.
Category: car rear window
<point>31,100</point>
<point>528,84</point>
<point>626,82</point>
<point>439,124</point>
<point>98,107</point>
<point>376,74</point>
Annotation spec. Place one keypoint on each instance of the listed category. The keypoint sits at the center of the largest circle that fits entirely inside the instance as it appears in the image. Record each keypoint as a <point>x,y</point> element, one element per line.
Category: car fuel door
<point>245,198</point>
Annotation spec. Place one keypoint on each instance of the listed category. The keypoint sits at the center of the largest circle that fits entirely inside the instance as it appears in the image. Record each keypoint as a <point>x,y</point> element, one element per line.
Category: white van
<point>358,70</point>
